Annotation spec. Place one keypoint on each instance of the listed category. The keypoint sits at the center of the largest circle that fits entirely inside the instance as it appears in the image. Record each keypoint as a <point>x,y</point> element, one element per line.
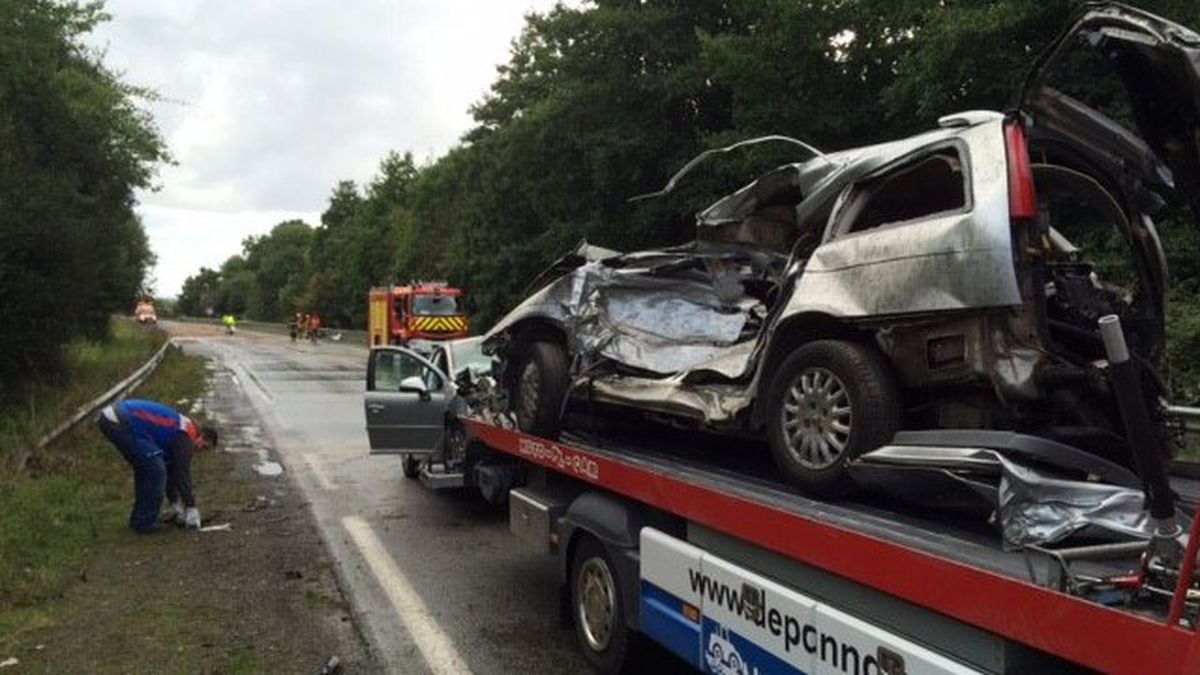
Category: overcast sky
<point>268,103</point>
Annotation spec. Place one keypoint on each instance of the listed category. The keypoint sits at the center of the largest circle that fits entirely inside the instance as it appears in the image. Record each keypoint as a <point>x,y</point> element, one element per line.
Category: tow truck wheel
<point>598,613</point>
<point>830,402</point>
<point>412,466</point>
<point>540,388</point>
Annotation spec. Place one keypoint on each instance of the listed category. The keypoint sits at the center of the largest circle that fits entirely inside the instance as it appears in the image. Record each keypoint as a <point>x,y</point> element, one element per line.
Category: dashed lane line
<point>434,645</point>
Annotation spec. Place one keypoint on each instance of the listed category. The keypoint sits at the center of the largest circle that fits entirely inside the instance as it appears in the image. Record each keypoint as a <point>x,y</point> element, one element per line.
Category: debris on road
<point>216,528</point>
<point>332,667</point>
<point>11,661</point>
<point>269,468</point>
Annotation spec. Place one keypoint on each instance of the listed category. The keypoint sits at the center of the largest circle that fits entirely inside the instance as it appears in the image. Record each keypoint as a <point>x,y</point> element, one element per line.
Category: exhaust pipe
<point>1143,442</point>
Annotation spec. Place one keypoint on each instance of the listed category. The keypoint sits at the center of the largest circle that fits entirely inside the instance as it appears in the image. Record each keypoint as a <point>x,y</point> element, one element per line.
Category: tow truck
<point>734,571</point>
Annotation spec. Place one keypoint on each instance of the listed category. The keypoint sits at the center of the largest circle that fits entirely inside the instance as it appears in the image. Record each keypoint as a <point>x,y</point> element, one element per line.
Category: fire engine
<point>420,310</point>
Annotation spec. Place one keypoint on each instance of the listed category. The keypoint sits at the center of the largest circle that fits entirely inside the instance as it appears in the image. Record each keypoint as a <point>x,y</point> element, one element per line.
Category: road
<point>437,582</point>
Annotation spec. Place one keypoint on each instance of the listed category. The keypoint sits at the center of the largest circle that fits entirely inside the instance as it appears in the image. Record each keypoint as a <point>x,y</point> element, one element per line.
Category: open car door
<point>405,402</point>
<point>1158,63</point>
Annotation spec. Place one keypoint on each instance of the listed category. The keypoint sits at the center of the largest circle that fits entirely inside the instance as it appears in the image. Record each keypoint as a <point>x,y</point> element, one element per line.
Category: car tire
<point>539,389</point>
<point>830,402</point>
<point>412,466</point>
<point>598,609</point>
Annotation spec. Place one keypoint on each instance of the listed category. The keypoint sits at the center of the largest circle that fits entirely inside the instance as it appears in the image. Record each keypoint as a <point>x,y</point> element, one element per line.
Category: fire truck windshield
<point>434,305</point>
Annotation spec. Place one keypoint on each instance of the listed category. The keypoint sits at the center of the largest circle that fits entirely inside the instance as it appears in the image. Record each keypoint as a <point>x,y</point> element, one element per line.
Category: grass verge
<point>80,592</point>
<point>56,512</point>
<point>91,367</point>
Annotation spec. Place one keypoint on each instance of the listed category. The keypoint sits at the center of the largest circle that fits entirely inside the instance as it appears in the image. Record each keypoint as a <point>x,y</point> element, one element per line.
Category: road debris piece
<point>215,528</point>
<point>332,667</point>
<point>11,661</point>
<point>268,468</point>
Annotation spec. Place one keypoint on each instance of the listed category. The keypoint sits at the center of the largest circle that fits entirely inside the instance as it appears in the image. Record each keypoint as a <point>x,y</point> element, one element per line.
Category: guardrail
<point>95,404</point>
<point>1188,415</point>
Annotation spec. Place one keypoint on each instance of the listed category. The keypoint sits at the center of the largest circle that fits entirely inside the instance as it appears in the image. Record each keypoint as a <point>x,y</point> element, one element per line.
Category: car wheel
<point>412,466</point>
<point>597,609</point>
<point>830,402</point>
<point>541,385</point>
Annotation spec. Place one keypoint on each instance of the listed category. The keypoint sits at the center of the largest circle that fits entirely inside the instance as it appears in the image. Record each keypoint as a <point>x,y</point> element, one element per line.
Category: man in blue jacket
<point>158,442</point>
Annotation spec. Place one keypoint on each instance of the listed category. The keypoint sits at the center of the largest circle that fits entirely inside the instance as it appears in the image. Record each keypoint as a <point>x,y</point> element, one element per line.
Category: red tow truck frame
<point>1071,628</point>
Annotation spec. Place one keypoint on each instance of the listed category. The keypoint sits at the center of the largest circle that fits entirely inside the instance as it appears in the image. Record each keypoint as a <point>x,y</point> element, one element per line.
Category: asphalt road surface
<point>437,582</point>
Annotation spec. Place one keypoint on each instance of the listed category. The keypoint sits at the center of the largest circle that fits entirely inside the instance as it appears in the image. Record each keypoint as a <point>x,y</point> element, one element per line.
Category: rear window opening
<point>931,185</point>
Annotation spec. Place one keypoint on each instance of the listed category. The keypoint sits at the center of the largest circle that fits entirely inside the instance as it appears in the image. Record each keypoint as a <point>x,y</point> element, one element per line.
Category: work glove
<point>175,514</point>
<point>191,518</point>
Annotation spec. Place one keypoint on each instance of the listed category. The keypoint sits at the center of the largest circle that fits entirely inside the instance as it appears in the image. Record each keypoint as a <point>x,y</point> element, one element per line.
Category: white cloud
<point>187,239</point>
<point>267,104</point>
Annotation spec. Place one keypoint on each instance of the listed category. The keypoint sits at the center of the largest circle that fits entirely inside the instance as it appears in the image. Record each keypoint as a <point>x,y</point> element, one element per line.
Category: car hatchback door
<point>405,402</point>
<point>1158,64</point>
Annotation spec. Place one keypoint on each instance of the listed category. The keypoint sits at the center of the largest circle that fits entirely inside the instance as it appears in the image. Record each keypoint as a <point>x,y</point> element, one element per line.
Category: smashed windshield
<point>469,354</point>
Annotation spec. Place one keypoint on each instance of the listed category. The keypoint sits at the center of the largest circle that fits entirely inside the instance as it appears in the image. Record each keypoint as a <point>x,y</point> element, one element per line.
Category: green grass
<point>91,367</point>
<point>72,495</point>
<point>54,503</point>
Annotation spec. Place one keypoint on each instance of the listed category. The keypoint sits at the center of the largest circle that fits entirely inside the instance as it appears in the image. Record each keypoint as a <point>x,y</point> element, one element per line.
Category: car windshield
<point>469,354</point>
<point>434,305</point>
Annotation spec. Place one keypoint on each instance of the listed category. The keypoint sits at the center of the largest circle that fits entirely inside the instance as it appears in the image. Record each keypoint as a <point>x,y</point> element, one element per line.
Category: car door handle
<point>375,407</point>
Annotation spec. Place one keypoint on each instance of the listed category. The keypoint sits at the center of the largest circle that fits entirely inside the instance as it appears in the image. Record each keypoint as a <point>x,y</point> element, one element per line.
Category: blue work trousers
<point>149,473</point>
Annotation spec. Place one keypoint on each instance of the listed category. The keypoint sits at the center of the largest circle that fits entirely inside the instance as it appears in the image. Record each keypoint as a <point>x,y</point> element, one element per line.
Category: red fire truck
<point>420,310</point>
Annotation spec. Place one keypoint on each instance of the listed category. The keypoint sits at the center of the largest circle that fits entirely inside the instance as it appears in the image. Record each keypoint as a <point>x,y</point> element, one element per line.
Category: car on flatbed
<point>941,281</point>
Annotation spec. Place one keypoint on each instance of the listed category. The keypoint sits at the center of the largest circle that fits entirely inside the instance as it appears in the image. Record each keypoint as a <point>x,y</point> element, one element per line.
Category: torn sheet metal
<point>1035,508</point>
<point>712,404</point>
<point>660,325</point>
<point>1030,505</point>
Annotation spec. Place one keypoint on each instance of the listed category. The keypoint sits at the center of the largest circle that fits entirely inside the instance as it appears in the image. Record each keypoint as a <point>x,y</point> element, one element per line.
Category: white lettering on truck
<point>770,627</point>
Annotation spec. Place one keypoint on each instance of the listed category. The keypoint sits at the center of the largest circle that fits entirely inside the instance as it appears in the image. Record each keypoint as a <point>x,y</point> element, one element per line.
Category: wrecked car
<point>933,282</point>
<point>414,399</point>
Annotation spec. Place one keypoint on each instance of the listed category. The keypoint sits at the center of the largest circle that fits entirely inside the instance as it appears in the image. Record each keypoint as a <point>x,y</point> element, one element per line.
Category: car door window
<point>392,368</point>
<point>429,376</point>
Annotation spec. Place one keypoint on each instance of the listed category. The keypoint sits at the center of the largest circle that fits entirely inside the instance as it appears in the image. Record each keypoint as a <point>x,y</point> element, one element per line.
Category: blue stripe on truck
<point>663,621</point>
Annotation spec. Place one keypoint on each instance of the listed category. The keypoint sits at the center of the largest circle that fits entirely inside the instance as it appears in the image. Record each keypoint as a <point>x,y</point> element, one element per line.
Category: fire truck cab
<point>420,310</point>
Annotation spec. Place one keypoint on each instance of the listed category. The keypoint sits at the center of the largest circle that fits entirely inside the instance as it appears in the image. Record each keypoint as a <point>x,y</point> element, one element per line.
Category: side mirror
<point>414,384</point>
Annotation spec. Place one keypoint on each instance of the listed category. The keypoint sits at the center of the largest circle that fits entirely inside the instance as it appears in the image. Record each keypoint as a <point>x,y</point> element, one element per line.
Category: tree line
<point>74,146</point>
<point>605,101</point>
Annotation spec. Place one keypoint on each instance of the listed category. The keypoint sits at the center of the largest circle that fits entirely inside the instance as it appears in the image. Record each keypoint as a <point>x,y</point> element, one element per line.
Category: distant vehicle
<point>421,310</point>
<point>144,312</point>
<point>950,280</point>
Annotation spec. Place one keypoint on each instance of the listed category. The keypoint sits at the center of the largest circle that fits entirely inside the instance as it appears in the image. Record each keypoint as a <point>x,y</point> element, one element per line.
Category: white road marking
<point>435,646</point>
<point>317,471</point>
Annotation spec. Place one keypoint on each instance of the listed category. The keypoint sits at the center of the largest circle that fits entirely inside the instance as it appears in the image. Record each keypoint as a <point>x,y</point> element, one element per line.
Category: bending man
<point>158,442</point>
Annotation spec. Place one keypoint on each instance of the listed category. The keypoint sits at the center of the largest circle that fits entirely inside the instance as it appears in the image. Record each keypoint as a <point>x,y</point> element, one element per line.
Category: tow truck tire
<point>830,401</point>
<point>412,466</point>
<point>597,609</point>
<point>540,387</point>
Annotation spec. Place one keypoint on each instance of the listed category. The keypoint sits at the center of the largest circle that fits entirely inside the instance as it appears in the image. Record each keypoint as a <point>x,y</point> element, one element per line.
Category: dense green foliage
<point>73,148</point>
<point>605,101</point>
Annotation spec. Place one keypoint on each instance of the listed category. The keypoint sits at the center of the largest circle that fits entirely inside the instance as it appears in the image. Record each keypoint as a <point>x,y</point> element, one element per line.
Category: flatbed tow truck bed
<point>930,564</point>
